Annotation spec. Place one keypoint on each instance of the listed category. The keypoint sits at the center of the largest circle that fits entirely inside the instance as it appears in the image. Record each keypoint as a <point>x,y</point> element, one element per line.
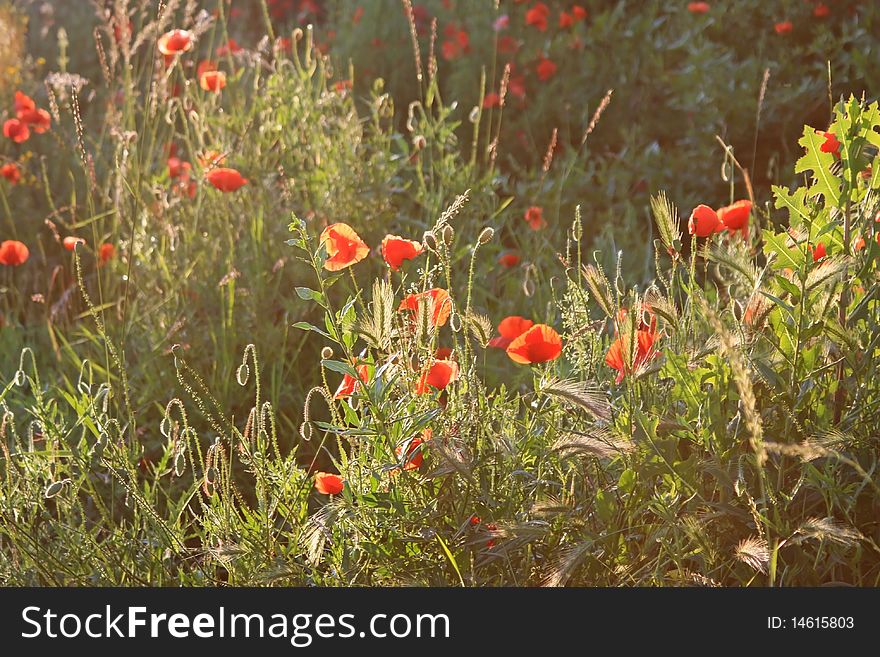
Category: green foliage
<point>143,441</point>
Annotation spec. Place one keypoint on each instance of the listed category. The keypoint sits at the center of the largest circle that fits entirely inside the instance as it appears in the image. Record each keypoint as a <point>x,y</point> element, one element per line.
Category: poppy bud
<point>486,235</point>
<point>448,234</point>
<point>326,353</point>
<point>430,240</point>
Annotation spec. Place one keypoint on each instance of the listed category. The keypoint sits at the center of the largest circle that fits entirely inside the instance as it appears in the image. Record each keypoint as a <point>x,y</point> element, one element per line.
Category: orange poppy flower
<point>783,27</point>
<point>11,172</point>
<point>819,251</point>
<point>13,253</point>
<point>619,359</point>
<point>396,249</point>
<point>439,375</point>
<point>328,484</point>
<point>16,130</point>
<point>414,453</point>
<point>535,216</point>
<point>175,42</point>
<point>226,179</point>
<point>442,304</point>
<point>213,81</point>
<point>698,7</point>
<point>70,242</point>
<point>509,259</point>
<point>546,69</point>
<point>704,221</point>
<point>349,383</point>
<point>539,344</point>
<point>859,244</point>
<point>344,247</point>
<point>736,217</point>
<point>510,329</point>
<point>106,252</point>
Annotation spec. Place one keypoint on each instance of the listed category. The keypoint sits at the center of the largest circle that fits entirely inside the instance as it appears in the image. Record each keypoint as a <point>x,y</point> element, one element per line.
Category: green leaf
<point>627,481</point>
<point>305,326</point>
<point>794,202</point>
<point>339,366</point>
<point>777,243</point>
<point>825,183</point>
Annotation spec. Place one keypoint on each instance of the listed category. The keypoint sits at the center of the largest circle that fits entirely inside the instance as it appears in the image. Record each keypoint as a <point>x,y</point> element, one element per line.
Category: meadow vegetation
<point>359,293</point>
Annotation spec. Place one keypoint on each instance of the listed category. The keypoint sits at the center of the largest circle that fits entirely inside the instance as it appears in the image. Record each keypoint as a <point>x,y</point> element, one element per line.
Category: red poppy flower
<point>231,47</point>
<point>16,130</point>
<point>23,103</point>
<point>650,325</point>
<point>225,179</point>
<point>396,249</point>
<point>204,66</point>
<point>698,7</point>
<point>509,259</point>
<point>618,356</point>
<point>13,253</point>
<point>443,353</point>
<point>539,344</point>
<point>11,172</point>
<point>736,217</point>
<point>439,375</point>
<point>535,216</point>
<point>475,520</point>
<point>546,69</point>
<point>507,45</point>
<point>37,119</point>
<point>175,42</point>
<point>821,10</point>
<point>414,455</point>
<point>783,27</point>
<point>859,244</point>
<point>70,242</point>
<point>177,168</point>
<point>439,298</point>
<point>491,99</point>
<point>831,144</point>
<point>565,20</point>
<point>106,252</point>
<point>328,484</point>
<point>704,221</point>
<point>212,81</point>
<point>510,329</point>
<point>344,247</point>
<point>578,12</point>
<point>537,16</point>
<point>818,251</point>
<point>349,383</point>
<point>357,15</point>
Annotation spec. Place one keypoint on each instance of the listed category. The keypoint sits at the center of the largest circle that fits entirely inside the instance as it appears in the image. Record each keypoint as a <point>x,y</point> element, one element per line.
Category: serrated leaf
<point>777,243</point>
<point>794,202</point>
<point>825,183</point>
